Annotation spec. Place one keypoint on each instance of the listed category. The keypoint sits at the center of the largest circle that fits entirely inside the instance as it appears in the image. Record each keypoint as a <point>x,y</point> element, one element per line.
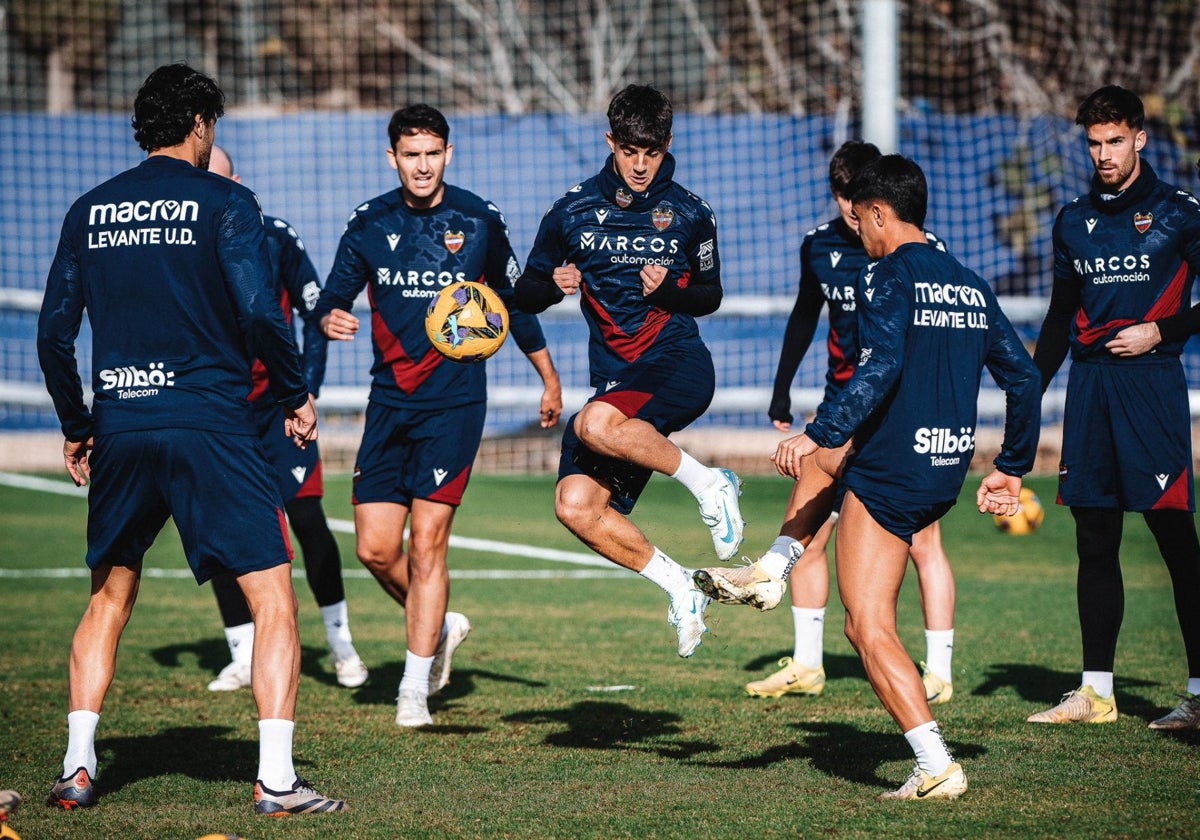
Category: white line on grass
<point>456,574</point>
<point>532,552</point>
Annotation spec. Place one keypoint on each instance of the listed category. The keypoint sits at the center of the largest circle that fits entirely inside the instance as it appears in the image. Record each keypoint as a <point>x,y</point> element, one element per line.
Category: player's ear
<point>449,152</point>
<point>1139,140</point>
<point>612,142</point>
<point>392,162</point>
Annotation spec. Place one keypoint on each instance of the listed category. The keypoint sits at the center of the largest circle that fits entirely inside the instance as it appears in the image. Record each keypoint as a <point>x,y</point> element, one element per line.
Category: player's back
<point>168,349</point>
<point>923,436</point>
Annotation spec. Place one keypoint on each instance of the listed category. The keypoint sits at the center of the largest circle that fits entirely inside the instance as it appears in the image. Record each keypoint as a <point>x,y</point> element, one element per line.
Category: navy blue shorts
<point>218,487</point>
<point>900,516</point>
<point>1127,437</point>
<point>409,454</point>
<point>298,470</point>
<point>669,392</point>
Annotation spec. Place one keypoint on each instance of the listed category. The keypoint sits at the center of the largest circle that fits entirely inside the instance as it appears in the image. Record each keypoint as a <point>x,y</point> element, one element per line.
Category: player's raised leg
<point>583,505</point>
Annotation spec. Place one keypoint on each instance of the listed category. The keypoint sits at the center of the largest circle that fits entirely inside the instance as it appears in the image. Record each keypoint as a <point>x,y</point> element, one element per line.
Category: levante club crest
<point>662,218</point>
<point>1142,221</point>
<point>454,240</point>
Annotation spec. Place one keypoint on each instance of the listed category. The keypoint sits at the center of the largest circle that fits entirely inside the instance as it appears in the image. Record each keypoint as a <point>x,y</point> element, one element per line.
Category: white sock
<point>668,574</point>
<point>939,651</point>
<point>337,629</point>
<point>810,636</point>
<point>933,756</point>
<point>1100,681</point>
<point>781,557</point>
<point>275,769</point>
<point>693,475</point>
<point>1193,686</point>
<point>81,743</point>
<point>416,673</point>
<point>241,642</point>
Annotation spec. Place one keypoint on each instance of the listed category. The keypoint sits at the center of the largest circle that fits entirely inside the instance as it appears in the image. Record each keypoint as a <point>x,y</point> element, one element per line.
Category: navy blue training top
<point>927,327</point>
<point>171,264</point>
<point>610,232</point>
<point>404,257</point>
<point>832,257</point>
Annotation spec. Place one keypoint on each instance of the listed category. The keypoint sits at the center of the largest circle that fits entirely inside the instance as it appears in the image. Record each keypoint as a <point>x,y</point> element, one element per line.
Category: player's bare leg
<point>607,431</point>
<point>379,533</point>
<point>870,568</point>
<point>428,574</point>
<point>582,505</point>
<point>94,646</point>
<point>275,668</point>
<point>936,583</point>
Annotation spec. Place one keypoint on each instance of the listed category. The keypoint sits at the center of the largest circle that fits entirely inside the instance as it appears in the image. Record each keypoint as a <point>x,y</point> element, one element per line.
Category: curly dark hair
<point>846,162</point>
<point>640,116</point>
<point>168,103</point>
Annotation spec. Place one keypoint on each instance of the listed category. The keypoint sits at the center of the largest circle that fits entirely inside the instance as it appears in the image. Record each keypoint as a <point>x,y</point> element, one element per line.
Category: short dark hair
<point>1111,104</point>
<point>168,102</point>
<point>640,116</point>
<point>896,181</point>
<point>846,162</point>
<point>414,119</point>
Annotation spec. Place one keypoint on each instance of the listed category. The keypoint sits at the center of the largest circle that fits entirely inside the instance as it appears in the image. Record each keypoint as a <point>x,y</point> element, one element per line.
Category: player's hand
<point>551,410</point>
<point>790,452</point>
<point>782,425</point>
<point>301,424</point>
<point>652,277</point>
<point>999,493</point>
<point>1135,340</point>
<point>75,456</point>
<point>568,278</point>
<point>339,325</point>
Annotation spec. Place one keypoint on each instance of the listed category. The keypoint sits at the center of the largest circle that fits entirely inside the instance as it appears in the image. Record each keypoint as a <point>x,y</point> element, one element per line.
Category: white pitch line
<point>532,552</point>
<point>455,574</point>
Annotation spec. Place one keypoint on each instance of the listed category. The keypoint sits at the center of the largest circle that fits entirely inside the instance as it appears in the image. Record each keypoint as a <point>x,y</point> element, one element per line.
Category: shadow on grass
<point>202,753</point>
<point>844,751</point>
<point>598,725</point>
<point>213,654</point>
<point>837,665</point>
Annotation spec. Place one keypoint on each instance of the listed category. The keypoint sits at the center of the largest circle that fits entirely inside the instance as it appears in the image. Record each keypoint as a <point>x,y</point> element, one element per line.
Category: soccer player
<point>901,436</point>
<point>171,264</point>
<point>1125,258</point>
<point>831,258</point>
<point>641,253</point>
<point>298,471</point>
<point>425,415</point>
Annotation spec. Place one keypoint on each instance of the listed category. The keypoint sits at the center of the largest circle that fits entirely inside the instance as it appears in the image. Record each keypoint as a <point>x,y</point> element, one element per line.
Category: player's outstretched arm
<point>551,405</point>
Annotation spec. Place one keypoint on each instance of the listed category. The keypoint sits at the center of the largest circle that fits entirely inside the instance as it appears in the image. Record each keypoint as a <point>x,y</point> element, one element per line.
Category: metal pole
<point>881,73</point>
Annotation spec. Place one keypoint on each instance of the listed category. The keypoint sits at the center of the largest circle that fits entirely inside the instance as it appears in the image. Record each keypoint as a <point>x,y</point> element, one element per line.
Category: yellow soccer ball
<point>1029,516</point>
<point>7,833</point>
<point>467,322</point>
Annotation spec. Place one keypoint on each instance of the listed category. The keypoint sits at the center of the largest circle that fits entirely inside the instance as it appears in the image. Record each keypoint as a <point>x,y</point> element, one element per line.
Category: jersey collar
<point>613,187</point>
<point>1131,195</point>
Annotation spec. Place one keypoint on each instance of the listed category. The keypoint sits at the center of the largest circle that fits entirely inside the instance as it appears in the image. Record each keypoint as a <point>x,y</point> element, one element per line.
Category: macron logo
<point>298,473</point>
<point>1091,225</point>
<point>835,257</point>
<point>439,475</point>
<point>601,215</point>
<point>393,240</point>
<point>1161,478</point>
<point>612,383</point>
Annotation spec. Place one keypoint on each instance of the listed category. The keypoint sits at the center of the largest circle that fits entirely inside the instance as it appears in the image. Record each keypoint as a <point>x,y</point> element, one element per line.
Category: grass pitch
<point>569,714</point>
